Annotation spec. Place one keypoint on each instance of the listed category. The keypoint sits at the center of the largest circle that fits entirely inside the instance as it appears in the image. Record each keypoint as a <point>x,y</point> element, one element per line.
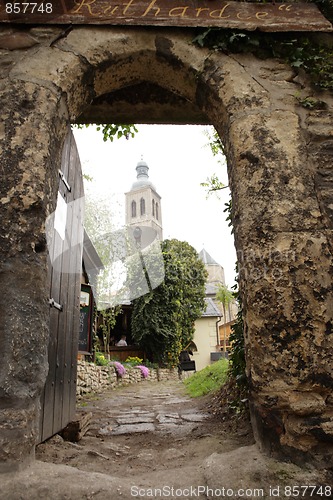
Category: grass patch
<point>208,380</point>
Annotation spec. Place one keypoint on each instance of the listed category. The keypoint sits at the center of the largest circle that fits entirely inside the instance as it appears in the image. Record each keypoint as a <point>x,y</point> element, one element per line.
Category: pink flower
<point>144,370</point>
<point>120,369</point>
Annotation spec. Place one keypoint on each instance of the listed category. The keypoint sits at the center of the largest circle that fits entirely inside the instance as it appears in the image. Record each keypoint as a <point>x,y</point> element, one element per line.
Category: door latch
<point>55,304</point>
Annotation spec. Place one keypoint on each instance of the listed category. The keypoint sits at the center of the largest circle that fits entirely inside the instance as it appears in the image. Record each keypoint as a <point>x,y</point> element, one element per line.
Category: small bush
<point>100,359</point>
<point>152,366</point>
<point>133,360</point>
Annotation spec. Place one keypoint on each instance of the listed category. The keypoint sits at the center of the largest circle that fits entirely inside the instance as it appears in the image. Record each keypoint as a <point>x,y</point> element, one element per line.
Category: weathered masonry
<point>280,157</point>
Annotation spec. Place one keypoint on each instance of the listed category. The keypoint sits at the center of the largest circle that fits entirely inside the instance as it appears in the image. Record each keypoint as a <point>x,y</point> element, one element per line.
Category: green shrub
<point>133,361</point>
<point>100,359</point>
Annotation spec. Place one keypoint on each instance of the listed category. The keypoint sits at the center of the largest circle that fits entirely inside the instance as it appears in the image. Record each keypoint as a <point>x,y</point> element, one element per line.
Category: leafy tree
<point>108,322</point>
<point>111,131</point>
<point>213,183</point>
<point>163,319</point>
<point>99,226</point>
<point>110,246</point>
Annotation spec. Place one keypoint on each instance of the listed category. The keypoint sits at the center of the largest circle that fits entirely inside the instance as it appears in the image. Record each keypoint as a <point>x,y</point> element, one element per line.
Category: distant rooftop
<point>207,259</point>
<point>142,177</point>
<point>211,289</point>
<point>211,309</point>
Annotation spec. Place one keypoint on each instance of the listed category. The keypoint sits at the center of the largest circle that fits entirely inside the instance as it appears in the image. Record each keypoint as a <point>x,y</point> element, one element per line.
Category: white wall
<point>205,339</point>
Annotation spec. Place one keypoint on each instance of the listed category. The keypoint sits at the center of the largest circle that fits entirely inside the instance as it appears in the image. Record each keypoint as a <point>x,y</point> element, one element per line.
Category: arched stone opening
<point>279,158</point>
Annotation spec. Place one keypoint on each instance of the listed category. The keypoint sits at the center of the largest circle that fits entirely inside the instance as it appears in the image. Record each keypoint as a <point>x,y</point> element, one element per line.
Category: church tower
<point>143,203</point>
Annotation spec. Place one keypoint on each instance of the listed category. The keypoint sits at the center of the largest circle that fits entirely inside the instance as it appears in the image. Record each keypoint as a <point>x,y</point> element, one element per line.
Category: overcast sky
<point>179,160</point>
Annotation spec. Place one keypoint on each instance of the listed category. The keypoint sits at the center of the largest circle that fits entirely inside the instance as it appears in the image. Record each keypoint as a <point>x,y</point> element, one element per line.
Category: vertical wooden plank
<point>61,334</point>
<point>78,228</point>
<point>55,267</point>
<point>59,398</point>
<point>49,392</point>
<point>74,282</point>
<point>67,298</point>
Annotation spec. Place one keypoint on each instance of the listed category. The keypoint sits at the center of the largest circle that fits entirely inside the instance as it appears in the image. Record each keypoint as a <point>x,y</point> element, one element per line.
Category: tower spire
<point>142,170</point>
<point>143,203</point>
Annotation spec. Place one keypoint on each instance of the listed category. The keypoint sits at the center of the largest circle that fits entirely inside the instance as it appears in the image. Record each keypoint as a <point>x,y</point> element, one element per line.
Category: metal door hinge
<point>55,304</point>
<point>64,180</point>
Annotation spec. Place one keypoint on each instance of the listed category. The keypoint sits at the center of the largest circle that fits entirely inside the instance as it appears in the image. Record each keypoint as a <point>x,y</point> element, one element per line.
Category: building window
<point>153,207</point>
<point>133,209</point>
<point>142,206</point>
<point>156,210</point>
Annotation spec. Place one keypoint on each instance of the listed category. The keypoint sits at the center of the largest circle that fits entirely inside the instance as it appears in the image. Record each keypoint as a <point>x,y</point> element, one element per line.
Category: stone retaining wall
<point>93,378</point>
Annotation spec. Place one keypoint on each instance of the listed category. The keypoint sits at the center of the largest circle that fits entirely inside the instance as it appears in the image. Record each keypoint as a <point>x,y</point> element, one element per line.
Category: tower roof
<point>207,259</point>
<point>211,308</point>
<point>142,177</point>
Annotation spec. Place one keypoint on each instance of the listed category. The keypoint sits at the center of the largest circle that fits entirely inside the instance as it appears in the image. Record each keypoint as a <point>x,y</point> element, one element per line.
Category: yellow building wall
<point>227,331</point>
<point>205,339</point>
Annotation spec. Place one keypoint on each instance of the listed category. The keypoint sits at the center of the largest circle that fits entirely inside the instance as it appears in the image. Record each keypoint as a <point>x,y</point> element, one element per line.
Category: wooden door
<point>65,243</point>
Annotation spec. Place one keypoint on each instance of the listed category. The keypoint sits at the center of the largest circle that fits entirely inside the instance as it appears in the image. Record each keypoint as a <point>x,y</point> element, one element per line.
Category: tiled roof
<point>211,309</point>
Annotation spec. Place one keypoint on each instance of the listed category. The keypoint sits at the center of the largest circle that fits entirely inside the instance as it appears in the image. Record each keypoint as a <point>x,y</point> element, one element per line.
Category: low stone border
<point>93,378</point>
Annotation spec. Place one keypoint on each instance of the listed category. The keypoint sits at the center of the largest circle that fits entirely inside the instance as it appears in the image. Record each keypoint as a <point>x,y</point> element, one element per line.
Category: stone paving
<point>146,440</point>
<point>132,413</point>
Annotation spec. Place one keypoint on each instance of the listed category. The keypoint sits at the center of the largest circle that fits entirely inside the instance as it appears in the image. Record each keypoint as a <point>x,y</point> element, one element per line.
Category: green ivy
<point>326,7</point>
<point>310,102</point>
<point>301,50</point>
<point>237,364</point>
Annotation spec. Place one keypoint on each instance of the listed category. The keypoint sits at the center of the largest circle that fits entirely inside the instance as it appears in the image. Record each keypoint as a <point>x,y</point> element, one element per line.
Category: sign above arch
<point>179,13</point>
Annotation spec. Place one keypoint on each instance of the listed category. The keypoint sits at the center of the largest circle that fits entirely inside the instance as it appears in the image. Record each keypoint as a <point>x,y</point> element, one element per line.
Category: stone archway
<point>280,158</point>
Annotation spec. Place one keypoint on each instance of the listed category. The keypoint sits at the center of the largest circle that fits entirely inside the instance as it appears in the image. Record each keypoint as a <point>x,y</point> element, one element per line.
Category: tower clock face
<point>141,170</point>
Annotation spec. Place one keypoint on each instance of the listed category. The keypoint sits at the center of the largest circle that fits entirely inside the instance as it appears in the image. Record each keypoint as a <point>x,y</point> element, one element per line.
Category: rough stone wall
<point>25,200</point>
<point>93,378</point>
<point>280,170</point>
